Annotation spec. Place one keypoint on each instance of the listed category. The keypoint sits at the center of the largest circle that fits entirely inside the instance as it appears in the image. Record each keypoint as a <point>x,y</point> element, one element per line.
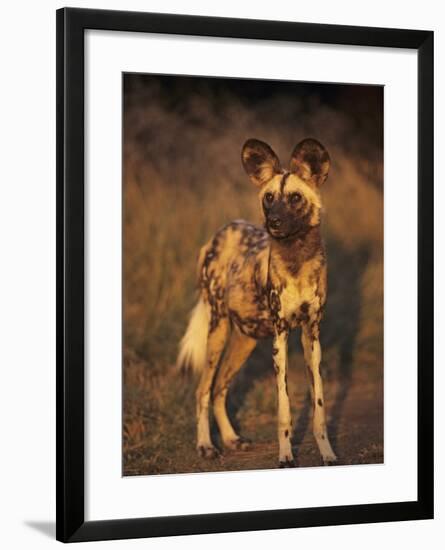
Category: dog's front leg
<point>312,355</point>
<point>286,459</point>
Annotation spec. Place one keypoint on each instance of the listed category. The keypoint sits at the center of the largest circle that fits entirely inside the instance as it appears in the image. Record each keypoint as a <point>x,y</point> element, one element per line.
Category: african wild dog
<point>256,283</point>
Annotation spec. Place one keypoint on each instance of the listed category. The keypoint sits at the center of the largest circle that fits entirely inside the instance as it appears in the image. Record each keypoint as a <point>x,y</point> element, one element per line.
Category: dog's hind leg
<point>215,345</point>
<point>312,356</point>
<point>238,350</point>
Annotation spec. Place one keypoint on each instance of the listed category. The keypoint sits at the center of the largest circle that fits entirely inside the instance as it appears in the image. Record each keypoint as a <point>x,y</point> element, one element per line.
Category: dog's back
<point>233,277</point>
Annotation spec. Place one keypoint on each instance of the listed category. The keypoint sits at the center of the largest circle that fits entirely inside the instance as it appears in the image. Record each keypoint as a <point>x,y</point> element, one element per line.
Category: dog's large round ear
<point>311,162</point>
<point>259,161</point>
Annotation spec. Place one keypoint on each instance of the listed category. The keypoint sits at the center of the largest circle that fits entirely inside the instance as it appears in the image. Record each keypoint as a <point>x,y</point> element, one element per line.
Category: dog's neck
<point>293,251</point>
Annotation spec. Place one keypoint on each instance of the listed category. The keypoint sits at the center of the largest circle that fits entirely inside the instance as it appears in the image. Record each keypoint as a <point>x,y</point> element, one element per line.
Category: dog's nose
<point>274,223</point>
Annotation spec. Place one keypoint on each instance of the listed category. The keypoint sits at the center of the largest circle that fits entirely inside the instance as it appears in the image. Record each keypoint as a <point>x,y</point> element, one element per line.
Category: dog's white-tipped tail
<point>193,346</point>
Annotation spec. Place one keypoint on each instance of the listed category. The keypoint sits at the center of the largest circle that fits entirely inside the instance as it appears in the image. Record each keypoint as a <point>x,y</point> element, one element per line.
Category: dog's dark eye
<point>268,197</point>
<point>294,198</point>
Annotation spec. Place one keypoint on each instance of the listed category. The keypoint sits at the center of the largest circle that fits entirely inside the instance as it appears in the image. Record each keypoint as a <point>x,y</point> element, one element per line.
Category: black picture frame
<point>71,24</point>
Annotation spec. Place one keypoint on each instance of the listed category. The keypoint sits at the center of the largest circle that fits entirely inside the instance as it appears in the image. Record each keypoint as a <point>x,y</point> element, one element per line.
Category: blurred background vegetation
<point>183,179</point>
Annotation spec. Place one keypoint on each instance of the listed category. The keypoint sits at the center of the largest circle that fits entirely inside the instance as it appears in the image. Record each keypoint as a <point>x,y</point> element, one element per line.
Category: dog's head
<point>290,200</point>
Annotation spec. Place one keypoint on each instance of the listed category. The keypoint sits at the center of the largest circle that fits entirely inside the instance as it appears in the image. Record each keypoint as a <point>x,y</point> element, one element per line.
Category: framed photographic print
<point>245,266</point>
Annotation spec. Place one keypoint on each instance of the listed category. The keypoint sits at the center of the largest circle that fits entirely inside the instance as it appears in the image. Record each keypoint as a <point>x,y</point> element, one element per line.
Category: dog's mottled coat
<point>257,283</point>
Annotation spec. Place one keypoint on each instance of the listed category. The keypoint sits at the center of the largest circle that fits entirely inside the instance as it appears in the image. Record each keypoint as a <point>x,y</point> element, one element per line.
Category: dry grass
<point>182,180</point>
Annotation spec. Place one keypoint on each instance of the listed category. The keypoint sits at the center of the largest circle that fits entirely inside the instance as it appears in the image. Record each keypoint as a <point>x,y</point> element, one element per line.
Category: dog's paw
<point>330,460</point>
<point>208,451</point>
<point>238,444</point>
<point>288,463</point>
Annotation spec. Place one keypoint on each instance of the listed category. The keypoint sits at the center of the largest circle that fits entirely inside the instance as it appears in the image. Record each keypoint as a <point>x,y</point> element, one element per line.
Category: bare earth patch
<point>159,423</point>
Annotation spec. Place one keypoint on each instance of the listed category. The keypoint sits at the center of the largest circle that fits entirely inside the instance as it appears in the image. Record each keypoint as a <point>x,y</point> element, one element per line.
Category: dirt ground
<point>161,437</point>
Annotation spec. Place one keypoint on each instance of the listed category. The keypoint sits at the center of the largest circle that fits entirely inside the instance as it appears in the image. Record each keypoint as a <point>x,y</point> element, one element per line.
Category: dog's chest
<point>299,297</point>
<point>298,302</point>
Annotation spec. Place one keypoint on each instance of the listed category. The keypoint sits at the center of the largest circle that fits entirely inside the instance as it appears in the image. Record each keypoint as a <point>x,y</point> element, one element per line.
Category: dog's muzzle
<point>274,223</point>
